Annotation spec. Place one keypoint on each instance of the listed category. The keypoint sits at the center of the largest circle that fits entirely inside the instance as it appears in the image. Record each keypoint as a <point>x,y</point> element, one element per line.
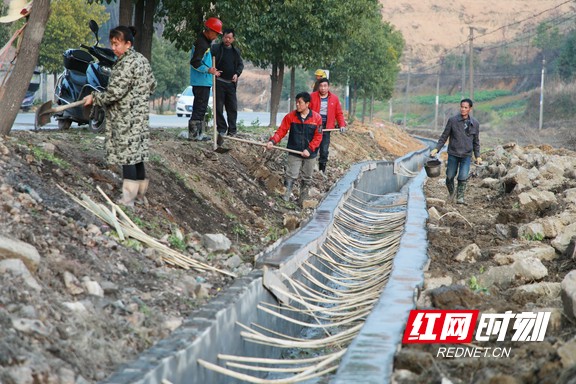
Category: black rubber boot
<point>288,183</point>
<point>451,192</point>
<point>200,134</point>
<point>460,192</point>
<point>322,167</point>
<point>192,129</point>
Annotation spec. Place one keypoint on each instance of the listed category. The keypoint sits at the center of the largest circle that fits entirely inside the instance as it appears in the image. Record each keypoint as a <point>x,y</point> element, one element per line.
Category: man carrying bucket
<point>464,134</point>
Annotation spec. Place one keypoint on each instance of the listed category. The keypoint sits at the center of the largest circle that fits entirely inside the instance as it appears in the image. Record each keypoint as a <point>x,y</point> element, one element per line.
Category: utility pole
<point>406,96</point>
<point>471,53</point>
<point>542,94</point>
<point>437,94</point>
<point>463,74</point>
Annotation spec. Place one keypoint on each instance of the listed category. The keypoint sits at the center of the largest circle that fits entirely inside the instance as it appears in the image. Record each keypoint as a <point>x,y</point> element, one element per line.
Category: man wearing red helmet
<point>201,72</point>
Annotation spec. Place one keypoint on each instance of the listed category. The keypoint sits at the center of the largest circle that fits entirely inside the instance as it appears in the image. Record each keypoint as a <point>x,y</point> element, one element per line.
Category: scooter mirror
<point>94,28</point>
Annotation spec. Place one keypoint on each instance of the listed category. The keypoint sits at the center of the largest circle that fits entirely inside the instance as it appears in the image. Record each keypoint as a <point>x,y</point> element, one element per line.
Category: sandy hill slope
<point>430,26</point>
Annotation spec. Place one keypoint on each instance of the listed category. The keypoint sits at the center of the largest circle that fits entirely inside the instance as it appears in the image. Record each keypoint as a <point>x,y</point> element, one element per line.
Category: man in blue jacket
<point>464,133</point>
<point>201,72</point>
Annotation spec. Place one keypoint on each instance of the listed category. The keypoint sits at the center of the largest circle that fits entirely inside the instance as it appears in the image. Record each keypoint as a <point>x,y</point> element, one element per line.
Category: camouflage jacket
<point>127,109</point>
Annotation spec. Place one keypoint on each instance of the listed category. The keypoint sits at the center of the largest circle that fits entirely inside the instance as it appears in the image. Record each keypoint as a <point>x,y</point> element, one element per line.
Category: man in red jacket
<point>304,128</point>
<point>328,106</point>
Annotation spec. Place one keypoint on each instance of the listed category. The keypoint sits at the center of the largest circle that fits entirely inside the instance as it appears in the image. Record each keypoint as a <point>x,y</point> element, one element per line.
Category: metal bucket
<point>433,167</point>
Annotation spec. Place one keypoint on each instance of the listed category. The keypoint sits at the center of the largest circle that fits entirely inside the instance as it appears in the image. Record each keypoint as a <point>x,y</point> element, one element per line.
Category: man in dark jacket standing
<point>464,133</point>
<point>201,72</point>
<point>304,128</point>
<point>229,62</point>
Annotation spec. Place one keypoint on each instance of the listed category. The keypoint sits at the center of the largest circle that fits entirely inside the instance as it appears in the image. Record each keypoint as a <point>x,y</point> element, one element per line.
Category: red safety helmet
<point>214,24</point>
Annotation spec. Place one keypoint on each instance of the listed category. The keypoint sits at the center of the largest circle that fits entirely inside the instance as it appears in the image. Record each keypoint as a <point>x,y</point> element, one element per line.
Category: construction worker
<point>201,72</point>
<point>304,135</point>
<point>320,74</point>
<point>328,106</point>
<point>463,133</point>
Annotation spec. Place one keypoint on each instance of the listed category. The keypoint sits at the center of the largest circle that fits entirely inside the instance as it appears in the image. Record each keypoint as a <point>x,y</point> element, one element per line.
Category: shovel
<point>262,144</point>
<point>44,113</point>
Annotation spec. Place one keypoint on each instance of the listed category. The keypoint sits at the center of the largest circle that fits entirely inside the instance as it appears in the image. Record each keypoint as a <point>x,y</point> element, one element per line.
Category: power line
<point>448,51</point>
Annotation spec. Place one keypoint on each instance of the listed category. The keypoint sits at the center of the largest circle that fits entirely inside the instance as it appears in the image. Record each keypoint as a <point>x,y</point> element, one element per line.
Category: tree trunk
<point>126,12</point>
<point>277,77</point>
<point>292,89</point>
<point>26,61</point>
<point>363,109</point>
<point>138,21</point>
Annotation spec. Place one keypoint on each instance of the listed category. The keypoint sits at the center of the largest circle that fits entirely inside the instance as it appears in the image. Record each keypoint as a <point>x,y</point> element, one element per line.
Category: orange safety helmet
<point>214,24</point>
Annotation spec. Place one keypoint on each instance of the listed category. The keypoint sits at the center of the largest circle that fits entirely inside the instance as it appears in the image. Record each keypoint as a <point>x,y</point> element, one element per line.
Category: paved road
<point>25,121</point>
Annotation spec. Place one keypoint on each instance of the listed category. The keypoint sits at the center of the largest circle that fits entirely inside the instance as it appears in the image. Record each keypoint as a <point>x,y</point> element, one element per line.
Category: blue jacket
<point>200,63</point>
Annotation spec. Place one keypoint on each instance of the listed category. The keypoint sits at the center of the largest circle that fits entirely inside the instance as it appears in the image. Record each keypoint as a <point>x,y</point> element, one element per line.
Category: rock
<point>291,222</point>
<point>453,297</point>
<point>570,252</point>
<point>93,288</point>
<point>18,268</point>
<point>436,282</point>
<point>233,262</point>
<point>561,242</point>
<point>543,289</point>
<point>537,200</point>
<point>469,254</point>
<point>529,269</point>
<point>433,215</point>
<point>76,307</point>
<point>16,249</point>
<point>72,284</point>
<point>172,323</point>
<point>31,326</point>
<point>567,353</point>
<point>540,252</point>
<point>216,242</point>
<point>568,294</point>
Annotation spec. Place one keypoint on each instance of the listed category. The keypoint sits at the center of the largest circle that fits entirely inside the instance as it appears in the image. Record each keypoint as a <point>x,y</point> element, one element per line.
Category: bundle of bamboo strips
<point>358,255</point>
<point>125,227</point>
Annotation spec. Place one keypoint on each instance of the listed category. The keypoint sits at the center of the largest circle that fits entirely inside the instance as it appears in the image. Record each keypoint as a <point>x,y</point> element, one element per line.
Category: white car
<point>186,100</point>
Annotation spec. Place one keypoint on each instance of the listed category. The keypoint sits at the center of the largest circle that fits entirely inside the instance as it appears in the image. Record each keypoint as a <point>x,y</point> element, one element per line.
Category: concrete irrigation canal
<point>328,304</point>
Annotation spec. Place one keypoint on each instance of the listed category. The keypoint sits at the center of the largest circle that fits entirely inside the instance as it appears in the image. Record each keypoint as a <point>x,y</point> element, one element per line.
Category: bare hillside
<point>430,27</point>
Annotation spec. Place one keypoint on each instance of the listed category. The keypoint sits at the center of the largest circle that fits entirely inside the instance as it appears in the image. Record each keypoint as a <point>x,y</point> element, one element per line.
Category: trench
<point>327,304</point>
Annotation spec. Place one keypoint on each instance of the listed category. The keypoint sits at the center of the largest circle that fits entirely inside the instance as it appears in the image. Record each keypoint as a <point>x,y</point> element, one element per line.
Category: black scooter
<point>83,75</point>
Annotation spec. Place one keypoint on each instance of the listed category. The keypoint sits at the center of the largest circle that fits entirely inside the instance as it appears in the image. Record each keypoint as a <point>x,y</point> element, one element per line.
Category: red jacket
<point>304,133</point>
<point>335,113</point>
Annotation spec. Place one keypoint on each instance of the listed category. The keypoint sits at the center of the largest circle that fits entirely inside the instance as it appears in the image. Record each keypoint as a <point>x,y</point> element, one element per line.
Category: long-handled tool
<point>263,145</point>
<point>44,113</point>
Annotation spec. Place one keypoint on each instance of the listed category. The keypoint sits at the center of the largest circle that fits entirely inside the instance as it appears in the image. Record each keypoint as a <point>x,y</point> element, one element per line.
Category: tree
<point>281,34</point>
<point>20,77</point>
<point>273,34</point>
<point>170,67</point>
<point>371,63</point>
<point>140,14</point>
<point>68,28</point>
<point>567,58</point>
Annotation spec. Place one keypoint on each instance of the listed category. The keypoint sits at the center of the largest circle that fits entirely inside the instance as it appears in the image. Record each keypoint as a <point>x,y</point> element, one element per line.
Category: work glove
<point>478,160</point>
<point>342,129</point>
<point>433,152</point>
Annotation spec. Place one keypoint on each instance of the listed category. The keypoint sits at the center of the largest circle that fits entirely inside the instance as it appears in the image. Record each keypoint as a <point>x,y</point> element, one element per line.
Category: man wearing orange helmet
<point>201,72</point>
